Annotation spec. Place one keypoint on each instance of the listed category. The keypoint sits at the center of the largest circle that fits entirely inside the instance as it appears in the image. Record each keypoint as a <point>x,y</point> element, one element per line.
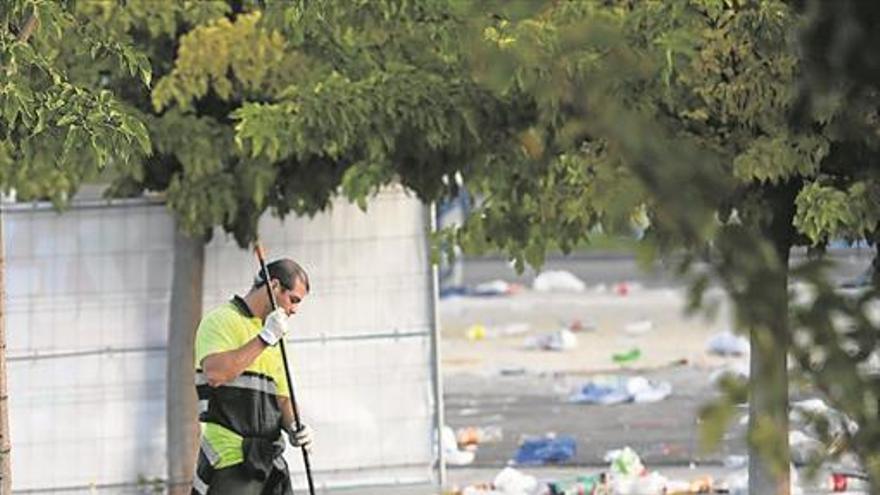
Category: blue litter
<point>604,392</point>
<point>547,450</point>
<point>453,291</point>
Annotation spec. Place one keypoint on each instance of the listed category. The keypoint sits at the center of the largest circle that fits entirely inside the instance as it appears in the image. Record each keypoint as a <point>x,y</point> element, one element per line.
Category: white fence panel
<point>87,311</point>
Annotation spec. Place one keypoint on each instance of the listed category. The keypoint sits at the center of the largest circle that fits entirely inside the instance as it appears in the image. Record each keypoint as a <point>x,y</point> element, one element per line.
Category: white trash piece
<point>512,482</point>
<point>480,490</point>
<point>560,340</point>
<point>645,391</point>
<point>639,327</point>
<point>728,344</point>
<point>650,484</point>
<point>558,281</point>
<point>803,412</point>
<point>454,457</point>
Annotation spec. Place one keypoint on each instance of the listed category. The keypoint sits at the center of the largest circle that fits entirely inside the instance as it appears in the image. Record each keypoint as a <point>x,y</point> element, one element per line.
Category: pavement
<point>460,477</point>
<point>496,381</point>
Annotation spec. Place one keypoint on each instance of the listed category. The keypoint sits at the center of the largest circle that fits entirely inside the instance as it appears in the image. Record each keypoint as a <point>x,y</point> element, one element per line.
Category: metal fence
<point>87,314</point>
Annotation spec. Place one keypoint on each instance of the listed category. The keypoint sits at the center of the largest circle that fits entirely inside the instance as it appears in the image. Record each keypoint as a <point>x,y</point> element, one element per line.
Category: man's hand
<point>302,437</point>
<point>275,327</point>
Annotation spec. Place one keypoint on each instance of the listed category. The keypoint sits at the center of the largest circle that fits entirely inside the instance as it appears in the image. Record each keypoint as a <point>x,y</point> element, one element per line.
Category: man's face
<point>289,300</point>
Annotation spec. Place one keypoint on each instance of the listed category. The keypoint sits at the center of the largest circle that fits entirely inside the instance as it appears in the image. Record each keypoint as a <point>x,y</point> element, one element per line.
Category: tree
<point>280,107</point>
<point>53,132</point>
<point>563,116</point>
<point>693,99</point>
<point>842,72</point>
<point>598,94</point>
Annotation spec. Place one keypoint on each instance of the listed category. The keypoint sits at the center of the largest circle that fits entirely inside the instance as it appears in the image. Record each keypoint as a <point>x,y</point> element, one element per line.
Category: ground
<point>497,381</point>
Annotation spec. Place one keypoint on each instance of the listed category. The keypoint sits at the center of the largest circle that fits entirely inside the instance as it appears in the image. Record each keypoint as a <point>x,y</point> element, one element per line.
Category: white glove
<point>275,327</point>
<point>302,437</point>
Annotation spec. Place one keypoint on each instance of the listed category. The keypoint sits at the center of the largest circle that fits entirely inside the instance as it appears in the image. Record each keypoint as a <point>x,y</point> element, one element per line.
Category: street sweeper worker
<point>244,399</point>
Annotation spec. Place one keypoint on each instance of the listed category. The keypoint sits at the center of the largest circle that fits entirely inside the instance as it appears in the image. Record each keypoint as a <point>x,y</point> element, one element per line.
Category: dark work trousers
<point>234,481</point>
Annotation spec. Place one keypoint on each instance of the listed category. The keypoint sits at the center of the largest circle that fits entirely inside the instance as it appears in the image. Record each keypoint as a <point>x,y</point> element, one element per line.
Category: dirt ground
<point>496,381</point>
<point>613,324</point>
<point>491,378</point>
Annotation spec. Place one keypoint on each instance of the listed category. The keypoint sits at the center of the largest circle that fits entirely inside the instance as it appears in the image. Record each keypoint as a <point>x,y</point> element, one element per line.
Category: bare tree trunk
<point>30,25</point>
<point>5,443</point>
<point>769,336</point>
<point>185,312</point>
<point>768,399</point>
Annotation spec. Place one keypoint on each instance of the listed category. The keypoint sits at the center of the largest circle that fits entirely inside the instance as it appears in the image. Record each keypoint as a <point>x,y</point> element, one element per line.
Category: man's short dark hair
<point>287,272</point>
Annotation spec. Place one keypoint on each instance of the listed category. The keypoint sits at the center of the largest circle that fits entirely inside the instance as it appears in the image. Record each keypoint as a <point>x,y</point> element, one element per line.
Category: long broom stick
<point>261,257</point>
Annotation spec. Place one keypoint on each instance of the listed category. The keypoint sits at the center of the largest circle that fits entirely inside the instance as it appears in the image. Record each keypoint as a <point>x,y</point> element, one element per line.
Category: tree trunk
<point>875,264</point>
<point>185,312</point>
<point>768,397</point>
<point>5,443</point>
<point>769,336</point>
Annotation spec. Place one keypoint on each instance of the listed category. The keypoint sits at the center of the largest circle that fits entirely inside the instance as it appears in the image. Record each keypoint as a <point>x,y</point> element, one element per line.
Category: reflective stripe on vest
<point>246,381</point>
<point>199,486</point>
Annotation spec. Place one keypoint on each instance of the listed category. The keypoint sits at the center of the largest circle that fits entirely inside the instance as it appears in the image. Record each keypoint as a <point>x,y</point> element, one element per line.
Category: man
<point>244,399</point>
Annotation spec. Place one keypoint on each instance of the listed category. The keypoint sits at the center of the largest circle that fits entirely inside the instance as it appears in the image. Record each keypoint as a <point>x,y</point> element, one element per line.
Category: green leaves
<point>824,211</point>
<point>220,55</point>
<point>203,202</point>
<point>59,133</point>
<point>777,158</point>
<point>299,102</point>
<point>362,180</point>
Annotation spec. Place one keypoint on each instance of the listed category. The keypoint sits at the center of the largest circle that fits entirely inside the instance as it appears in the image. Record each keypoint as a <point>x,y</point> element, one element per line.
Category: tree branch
<point>29,27</point>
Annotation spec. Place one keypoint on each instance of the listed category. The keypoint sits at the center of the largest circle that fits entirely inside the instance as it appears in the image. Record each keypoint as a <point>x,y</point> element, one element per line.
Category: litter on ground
<point>728,344</point>
<point>627,474</point>
<point>472,436</point>
<point>558,281</point>
<point>453,455</point>
<point>578,325</point>
<point>610,390</point>
<point>639,327</point>
<point>560,340</point>
<point>549,449</point>
<point>478,331</point>
<point>495,288</point>
<point>627,357</point>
